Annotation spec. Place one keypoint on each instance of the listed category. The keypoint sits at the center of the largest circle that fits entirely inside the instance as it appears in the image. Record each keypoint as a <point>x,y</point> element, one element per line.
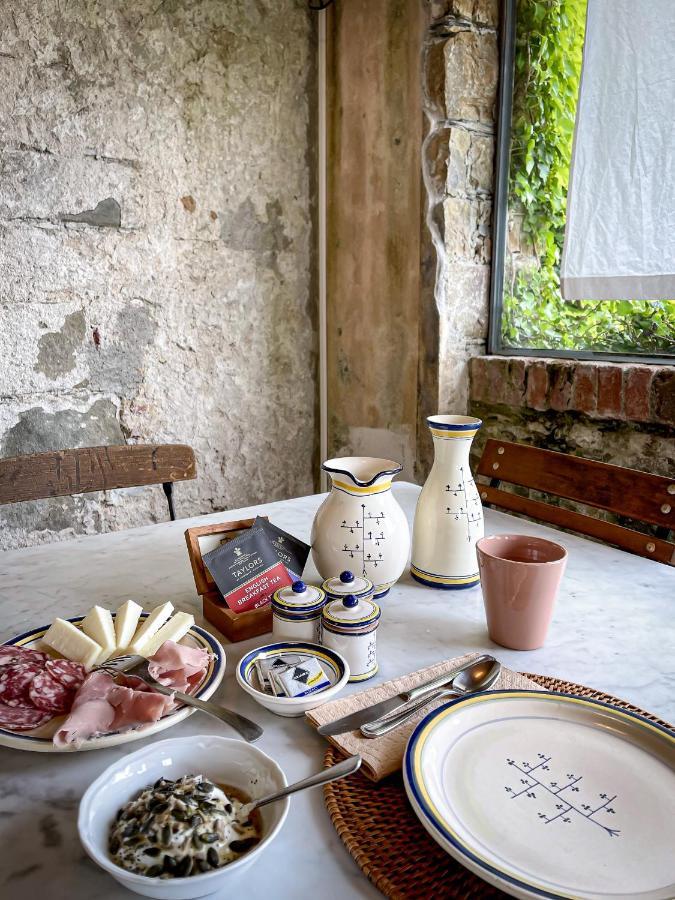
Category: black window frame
<point>500,217</point>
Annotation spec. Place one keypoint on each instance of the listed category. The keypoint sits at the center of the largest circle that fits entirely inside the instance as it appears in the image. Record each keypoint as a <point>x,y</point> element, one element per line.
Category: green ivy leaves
<point>549,43</point>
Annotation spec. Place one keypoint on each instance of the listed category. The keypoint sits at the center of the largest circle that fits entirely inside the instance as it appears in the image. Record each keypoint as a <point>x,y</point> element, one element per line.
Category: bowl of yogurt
<point>170,820</point>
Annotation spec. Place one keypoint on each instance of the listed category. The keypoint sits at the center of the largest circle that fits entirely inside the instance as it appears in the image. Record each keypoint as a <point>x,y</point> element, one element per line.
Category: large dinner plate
<point>548,795</point>
<point>40,739</point>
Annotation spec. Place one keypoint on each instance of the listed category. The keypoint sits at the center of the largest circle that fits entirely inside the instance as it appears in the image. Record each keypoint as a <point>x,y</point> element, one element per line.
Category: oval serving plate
<point>548,795</point>
<point>40,739</point>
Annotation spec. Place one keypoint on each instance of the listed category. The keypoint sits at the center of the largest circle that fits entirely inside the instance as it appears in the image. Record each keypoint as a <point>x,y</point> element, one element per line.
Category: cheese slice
<point>72,643</point>
<point>149,627</point>
<point>173,630</point>
<point>98,624</point>
<point>126,623</point>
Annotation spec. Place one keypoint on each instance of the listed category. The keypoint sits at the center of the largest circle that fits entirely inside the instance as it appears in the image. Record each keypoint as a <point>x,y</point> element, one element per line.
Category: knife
<point>370,713</point>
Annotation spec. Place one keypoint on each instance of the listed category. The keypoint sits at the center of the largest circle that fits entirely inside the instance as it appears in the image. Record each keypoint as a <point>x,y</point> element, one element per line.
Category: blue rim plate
<point>548,795</point>
<point>40,739</point>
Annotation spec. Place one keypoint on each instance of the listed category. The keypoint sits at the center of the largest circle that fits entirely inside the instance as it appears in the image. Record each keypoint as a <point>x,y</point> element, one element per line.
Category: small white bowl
<point>334,664</point>
<point>220,759</point>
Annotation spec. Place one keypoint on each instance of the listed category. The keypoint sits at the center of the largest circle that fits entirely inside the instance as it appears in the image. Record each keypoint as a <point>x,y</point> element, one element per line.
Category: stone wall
<point>156,237</point>
<point>462,66</point>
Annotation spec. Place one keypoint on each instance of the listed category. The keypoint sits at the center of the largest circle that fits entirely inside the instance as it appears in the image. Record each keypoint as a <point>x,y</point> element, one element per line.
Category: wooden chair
<point>627,493</point>
<point>65,472</point>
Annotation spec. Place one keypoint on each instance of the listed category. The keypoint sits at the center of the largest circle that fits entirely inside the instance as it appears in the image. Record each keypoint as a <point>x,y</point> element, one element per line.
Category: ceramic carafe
<point>449,515</point>
<point>360,526</point>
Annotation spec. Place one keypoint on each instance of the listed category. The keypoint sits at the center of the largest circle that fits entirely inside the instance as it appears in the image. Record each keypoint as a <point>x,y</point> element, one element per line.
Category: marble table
<point>613,630</point>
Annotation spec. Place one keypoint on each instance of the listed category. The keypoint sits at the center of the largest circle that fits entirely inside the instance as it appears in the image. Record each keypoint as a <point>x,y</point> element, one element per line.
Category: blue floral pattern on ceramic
<point>471,509</point>
<point>363,526</point>
<point>539,787</point>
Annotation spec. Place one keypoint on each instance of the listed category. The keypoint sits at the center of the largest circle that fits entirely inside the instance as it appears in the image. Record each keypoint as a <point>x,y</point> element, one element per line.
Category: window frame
<point>507,28</point>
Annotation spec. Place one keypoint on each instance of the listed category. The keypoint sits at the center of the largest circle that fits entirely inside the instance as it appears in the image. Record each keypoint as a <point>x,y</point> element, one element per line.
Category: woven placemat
<point>379,829</point>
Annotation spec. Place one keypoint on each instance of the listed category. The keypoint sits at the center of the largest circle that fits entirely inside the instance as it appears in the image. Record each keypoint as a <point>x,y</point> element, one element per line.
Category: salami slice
<point>22,718</point>
<point>70,674</point>
<point>9,654</point>
<point>15,681</point>
<point>50,695</point>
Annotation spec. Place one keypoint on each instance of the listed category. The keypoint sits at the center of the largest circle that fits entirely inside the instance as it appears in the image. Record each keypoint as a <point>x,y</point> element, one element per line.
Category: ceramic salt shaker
<point>347,583</point>
<point>349,625</point>
<point>296,612</point>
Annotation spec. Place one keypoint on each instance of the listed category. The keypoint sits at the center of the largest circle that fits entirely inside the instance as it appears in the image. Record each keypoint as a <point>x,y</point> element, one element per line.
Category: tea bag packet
<point>290,550</point>
<point>247,570</point>
<point>307,677</point>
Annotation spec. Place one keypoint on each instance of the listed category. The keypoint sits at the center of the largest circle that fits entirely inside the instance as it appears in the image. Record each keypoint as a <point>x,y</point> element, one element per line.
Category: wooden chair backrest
<point>61,473</point>
<point>627,493</point>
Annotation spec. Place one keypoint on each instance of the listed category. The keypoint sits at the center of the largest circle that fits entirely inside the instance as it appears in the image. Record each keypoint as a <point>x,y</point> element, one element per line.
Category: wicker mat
<point>390,846</point>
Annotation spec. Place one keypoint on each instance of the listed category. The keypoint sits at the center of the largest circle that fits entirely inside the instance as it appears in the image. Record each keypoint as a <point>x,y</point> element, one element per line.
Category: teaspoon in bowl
<point>332,773</point>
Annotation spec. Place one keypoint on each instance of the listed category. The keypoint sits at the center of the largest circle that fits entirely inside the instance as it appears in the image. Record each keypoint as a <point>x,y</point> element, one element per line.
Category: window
<point>542,44</point>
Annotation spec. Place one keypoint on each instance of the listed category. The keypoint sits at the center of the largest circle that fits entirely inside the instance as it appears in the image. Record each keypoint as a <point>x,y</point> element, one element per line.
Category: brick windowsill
<point>622,391</point>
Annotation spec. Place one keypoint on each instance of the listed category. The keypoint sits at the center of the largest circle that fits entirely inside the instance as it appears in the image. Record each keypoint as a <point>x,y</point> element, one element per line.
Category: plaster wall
<point>156,273</point>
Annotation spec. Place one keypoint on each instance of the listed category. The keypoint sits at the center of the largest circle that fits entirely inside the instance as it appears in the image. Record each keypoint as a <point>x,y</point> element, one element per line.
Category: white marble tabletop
<point>613,629</point>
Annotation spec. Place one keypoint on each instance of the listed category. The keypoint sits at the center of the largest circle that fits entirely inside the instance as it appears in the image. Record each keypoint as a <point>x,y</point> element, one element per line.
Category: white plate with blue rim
<point>334,665</point>
<point>40,739</point>
<point>548,795</point>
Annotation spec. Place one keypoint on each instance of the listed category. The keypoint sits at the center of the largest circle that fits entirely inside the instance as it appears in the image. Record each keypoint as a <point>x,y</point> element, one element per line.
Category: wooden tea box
<point>234,626</point>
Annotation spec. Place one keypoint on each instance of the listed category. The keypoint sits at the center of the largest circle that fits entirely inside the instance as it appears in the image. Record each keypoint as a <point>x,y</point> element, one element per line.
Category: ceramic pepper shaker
<point>349,625</point>
<point>296,612</point>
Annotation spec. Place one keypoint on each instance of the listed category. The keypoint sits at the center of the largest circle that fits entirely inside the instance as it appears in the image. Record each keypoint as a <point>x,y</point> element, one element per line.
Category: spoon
<point>332,773</point>
<point>478,677</point>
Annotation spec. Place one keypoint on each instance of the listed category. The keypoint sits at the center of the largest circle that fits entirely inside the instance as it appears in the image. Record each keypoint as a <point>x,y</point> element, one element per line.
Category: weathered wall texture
<point>155,247</point>
<point>461,67</point>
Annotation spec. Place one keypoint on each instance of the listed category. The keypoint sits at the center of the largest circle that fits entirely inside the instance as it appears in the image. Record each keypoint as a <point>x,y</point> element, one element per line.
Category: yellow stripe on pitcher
<point>446,435</point>
<point>355,489</point>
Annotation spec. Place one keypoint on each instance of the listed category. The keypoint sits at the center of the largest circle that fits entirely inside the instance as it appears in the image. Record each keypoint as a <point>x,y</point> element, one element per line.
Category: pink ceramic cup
<point>520,577</point>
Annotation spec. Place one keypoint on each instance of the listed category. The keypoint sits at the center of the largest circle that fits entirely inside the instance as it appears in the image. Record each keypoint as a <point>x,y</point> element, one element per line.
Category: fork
<point>138,667</point>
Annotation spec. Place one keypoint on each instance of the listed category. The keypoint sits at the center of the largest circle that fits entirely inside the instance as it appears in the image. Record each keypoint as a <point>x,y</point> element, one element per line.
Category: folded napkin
<point>384,755</point>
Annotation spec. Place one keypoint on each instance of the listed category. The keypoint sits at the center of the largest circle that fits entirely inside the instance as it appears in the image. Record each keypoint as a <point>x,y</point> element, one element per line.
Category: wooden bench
<point>62,473</point>
<point>626,493</point>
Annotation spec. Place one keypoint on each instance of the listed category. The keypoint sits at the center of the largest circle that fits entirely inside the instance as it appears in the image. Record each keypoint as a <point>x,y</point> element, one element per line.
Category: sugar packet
<point>307,677</point>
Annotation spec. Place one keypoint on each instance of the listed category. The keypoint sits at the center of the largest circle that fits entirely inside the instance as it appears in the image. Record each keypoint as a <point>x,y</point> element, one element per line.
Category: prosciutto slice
<point>104,703</point>
<point>91,712</point>
<point>177,666</point>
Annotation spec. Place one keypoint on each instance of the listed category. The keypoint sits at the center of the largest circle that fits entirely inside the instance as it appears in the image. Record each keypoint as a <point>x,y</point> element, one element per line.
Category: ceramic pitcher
<point>360,526</point>
<point>449,515</point>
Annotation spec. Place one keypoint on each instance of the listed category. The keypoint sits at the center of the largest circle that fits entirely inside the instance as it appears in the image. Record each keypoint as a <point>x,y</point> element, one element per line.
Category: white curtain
<point>620,230</point>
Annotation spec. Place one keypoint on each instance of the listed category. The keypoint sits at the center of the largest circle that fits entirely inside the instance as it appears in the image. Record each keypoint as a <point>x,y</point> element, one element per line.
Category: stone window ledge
<point>621,391</point>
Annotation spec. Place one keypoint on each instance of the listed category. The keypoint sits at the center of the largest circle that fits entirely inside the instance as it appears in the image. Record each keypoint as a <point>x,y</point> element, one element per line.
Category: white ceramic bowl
<point>334,664</point>
<point>222,760</point>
